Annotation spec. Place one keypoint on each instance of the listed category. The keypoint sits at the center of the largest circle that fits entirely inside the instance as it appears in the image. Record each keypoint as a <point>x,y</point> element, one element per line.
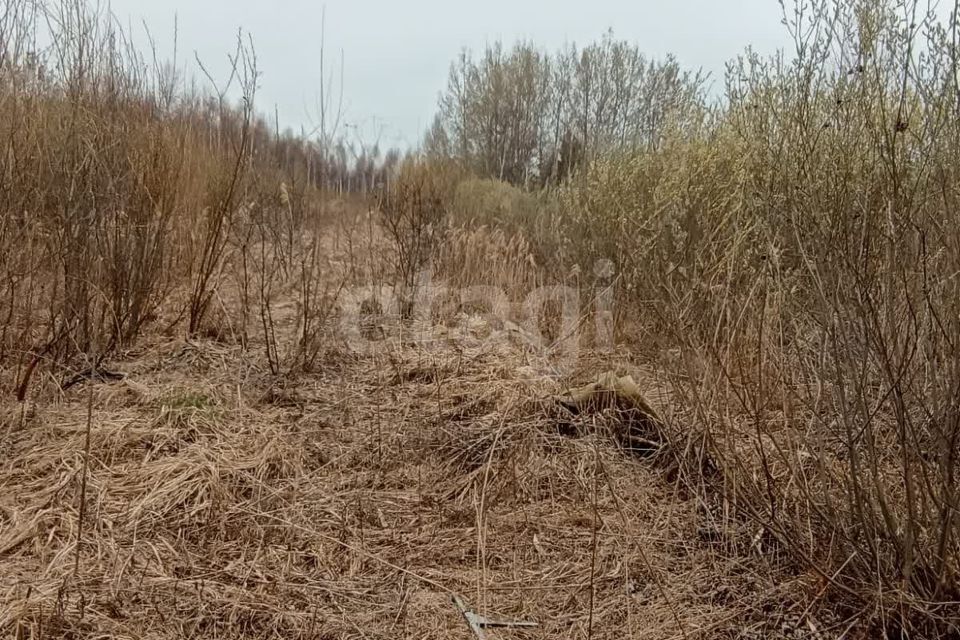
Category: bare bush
<point>413,208</point>
<point>792,261</point>
<point>227,192</point>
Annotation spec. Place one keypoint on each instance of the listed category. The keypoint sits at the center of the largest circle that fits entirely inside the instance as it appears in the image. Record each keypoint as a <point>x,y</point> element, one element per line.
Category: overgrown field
<point>609,353</point>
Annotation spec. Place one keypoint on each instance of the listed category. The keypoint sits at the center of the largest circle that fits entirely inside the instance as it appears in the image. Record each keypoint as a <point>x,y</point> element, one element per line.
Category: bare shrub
<point>413,209</point>
<point>93,185</point>
<point>790,260</point>
<point>125,195</point>
<point>226,192</point>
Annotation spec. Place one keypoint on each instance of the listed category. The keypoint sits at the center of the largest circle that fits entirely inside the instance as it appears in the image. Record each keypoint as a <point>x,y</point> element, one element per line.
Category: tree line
<point>527,116</point>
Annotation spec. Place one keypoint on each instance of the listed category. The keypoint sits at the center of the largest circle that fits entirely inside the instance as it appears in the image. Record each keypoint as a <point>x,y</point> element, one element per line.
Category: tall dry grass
<point>792,261</point>
<point>129,194</point>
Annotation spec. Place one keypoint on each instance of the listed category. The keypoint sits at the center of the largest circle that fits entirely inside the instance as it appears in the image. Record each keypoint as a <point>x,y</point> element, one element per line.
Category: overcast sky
<point>397,53</point>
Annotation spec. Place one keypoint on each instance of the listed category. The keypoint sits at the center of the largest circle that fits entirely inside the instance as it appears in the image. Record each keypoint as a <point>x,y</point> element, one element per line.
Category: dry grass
<point>191,446</point>
<point>222,500</point>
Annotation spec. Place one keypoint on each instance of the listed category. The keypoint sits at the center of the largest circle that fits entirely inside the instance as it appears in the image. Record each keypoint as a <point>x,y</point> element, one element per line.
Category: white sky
<point>397,53</point>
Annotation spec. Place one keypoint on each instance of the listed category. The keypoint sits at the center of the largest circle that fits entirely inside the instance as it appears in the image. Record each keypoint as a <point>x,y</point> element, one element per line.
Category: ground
<point>353,502</point>
<point>215,498</point>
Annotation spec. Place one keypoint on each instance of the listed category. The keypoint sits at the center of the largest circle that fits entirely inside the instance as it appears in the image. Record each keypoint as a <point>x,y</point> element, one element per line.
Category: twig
<point>83,482</point>
<point>478,623</point>
<point>593,542</point>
